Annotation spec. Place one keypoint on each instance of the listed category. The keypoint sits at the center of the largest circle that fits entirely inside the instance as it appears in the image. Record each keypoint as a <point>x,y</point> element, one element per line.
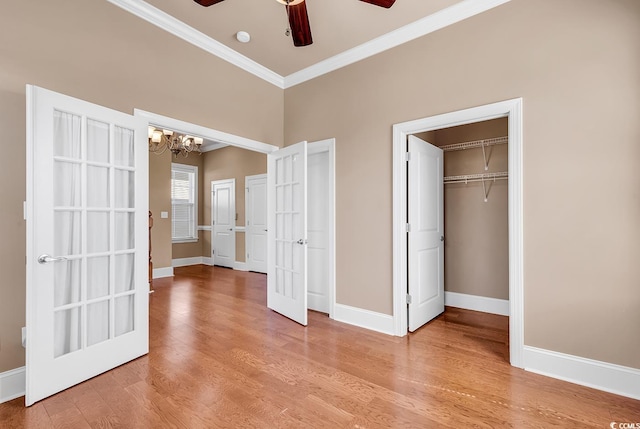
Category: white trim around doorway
<point>204,132</point>
<point>513,110</point>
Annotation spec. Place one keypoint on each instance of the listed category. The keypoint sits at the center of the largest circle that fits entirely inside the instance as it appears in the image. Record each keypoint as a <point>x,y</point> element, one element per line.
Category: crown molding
<point>208,134</point>
<point>429,24</point>
<point>166,22</point>
<point>443,18</point>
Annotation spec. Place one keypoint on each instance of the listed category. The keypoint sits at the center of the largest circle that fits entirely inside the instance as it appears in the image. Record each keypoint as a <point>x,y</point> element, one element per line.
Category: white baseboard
<point>477,303</point>
<point>364,318</point>
<point>159,273</point>
<point>612,378</point>
<point>12,384</point>
<point>198,260</point>
<point>185,262</point>
<point>240,266</point>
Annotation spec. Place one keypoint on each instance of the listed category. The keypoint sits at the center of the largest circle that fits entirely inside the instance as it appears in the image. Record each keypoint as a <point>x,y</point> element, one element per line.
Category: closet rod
<point>475,143</point>
<point>468,178</point>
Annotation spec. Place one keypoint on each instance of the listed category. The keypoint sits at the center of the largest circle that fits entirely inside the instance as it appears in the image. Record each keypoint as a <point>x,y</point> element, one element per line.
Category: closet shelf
<point>467,178</point>
<point>476,143</point>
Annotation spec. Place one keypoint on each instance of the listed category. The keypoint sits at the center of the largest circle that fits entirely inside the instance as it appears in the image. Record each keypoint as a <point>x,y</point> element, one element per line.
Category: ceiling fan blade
<point>207,2</point>
<point>381,3</point>
<point>299,23</point>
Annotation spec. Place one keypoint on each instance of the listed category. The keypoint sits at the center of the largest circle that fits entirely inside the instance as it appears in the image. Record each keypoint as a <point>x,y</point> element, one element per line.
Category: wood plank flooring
<point>219,358</point>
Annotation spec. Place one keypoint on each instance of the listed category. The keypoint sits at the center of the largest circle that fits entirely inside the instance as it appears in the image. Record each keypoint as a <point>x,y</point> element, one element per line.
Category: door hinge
<point>407,156</point>
<point>248,256</point>
<point>213,222</point>
<point>408,299</point>
<point>408,227</point>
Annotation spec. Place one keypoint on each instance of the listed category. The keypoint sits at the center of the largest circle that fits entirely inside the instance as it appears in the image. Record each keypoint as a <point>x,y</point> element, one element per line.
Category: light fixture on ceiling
<point>161,140</point>
<point>243,37</point>
<point>290,2</point>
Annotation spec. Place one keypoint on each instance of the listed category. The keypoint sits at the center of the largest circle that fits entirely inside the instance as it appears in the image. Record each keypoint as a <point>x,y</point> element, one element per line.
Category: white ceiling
<point>344,31</point>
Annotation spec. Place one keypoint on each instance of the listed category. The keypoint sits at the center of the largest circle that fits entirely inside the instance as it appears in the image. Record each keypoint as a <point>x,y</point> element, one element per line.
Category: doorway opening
<point>321,196</point>
<point>512,110</point>
<point>470,249</point>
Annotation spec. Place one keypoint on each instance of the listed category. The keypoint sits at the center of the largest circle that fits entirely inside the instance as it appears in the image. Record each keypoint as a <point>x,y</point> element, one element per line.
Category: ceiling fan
<point>300,29</point>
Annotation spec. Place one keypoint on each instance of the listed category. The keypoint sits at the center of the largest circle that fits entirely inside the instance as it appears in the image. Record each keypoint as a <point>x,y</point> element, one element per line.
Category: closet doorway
<point>463,179</point>
<point>457,188</point>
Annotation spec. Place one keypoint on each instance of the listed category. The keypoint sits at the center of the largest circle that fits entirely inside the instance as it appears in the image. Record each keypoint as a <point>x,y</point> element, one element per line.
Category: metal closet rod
<point>475,143</point>
<point>469,178</point>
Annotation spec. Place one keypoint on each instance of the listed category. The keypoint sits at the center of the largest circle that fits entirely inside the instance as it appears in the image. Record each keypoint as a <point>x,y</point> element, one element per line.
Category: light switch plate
<point>164,215</point>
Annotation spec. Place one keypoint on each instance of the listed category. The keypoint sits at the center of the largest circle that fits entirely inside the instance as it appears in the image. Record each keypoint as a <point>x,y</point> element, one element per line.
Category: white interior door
<point>223,215</point>
<point>287,239</point>
<point>426,232</point>
<point>87,244</point>
<point>256,219</point>
<point>318,229</point>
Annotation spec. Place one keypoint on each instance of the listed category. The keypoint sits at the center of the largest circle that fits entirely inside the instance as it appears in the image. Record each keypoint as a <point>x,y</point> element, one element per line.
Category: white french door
<point>256,222</point>
<point>223,215</point>
<point>426,232</point>
<point>87,244</point>
<point>287,240</point>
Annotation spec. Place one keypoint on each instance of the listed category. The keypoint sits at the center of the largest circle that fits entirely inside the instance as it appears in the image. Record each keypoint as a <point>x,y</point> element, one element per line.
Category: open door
<point>87,244</point>
<point>426,232</point>
<point>287,239</point>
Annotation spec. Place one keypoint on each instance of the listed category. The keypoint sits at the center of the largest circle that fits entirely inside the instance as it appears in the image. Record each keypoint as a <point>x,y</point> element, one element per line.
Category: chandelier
<point>162,140</point>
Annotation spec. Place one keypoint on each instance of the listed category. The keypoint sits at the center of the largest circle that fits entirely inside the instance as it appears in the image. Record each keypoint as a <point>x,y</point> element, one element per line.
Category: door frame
<point>512,109</point>
<point>329,145</point>
<point>232,182</point>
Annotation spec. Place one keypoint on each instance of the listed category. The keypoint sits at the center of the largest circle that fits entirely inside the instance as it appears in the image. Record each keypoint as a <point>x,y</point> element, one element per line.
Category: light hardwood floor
<point>220,358</point>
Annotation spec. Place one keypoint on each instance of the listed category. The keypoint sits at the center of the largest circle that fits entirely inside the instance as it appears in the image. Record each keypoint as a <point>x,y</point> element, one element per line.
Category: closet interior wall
<point>477,232</point>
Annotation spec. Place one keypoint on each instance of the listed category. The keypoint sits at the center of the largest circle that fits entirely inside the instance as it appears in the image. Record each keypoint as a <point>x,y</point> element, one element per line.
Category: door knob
<point>301,241</point>
<point>44,258</point>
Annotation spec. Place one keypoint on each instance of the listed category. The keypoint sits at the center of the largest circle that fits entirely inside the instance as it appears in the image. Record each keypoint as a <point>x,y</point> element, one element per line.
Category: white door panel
<point>287,239</point>
<point>426,245</point>
<point>318,231</point>
<point>87,208</point>
<point>256,218</point>
<point>223,215</point>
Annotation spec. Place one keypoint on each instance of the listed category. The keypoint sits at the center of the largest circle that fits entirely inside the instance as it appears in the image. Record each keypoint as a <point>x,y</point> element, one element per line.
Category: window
<point>184,205</point>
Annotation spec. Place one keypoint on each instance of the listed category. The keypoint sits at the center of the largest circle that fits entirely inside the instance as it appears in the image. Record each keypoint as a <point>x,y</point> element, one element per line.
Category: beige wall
<point>93,50</point>
<point>230,163</point>
<point>12,231</point>
<point>576,64</point>
<point>477,232</point>
<point>159,201</point>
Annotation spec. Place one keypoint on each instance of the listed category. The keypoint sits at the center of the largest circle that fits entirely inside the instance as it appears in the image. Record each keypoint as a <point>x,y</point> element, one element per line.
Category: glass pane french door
<point>87,288</point>
<point>287,238</point>
<point>94,203</point>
